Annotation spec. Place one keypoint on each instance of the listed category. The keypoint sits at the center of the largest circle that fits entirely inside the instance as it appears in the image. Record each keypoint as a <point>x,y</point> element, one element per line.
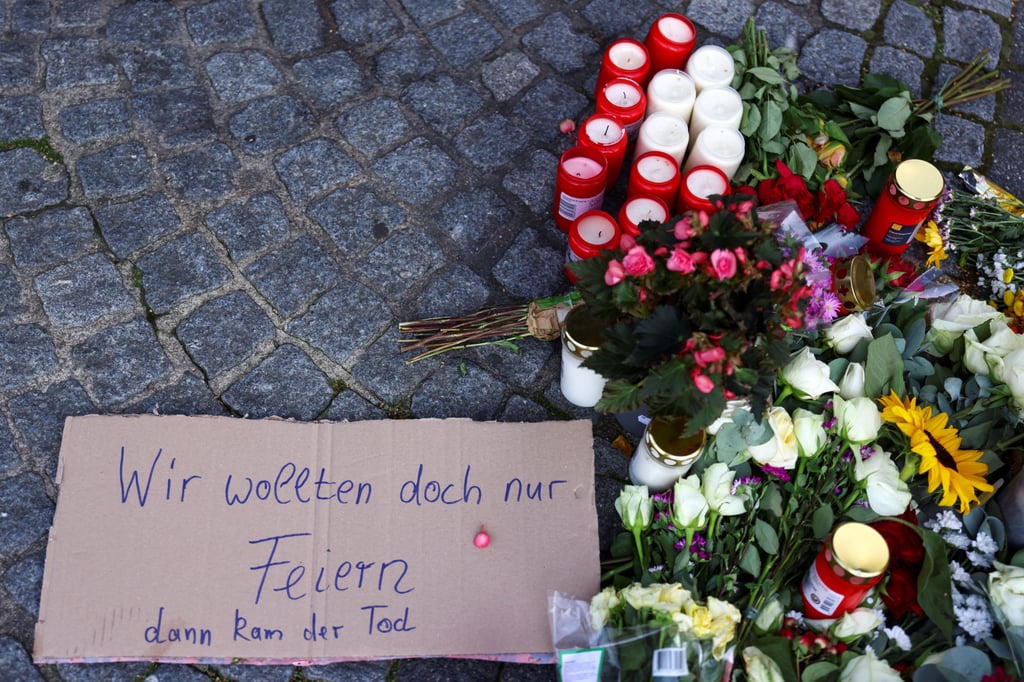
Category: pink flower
<point>626,242</point>
<point>680,261</point>
<point>567,126</point>
<point>703,382</point>
<point>683,229</point>
<point>724,263</point>
<point>706,357</point>
<point>614,274</point>
<point>637,262</point>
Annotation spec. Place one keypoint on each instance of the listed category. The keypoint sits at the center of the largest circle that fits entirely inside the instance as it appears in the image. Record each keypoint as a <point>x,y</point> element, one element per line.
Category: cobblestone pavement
<point>244,197</point>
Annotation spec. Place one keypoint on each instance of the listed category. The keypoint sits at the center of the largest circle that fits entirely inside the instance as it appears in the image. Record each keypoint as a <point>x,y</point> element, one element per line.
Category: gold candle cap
<point>918,180</point>
<point>854,283</point>
<point>667,444</point>
<point>582,333</point>
<point>860,549</point>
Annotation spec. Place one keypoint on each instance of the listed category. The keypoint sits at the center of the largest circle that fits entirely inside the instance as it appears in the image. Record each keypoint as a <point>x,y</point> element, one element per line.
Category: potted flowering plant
<point>697,312</point>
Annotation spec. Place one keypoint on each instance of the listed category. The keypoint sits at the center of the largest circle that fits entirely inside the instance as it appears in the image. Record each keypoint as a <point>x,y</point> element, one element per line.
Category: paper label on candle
<point>819,594</point>
<point>572,207</point>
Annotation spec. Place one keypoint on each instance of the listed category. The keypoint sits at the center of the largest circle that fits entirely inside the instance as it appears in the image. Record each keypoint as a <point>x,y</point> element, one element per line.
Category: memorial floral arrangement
<point>896,419</point>
<point>697,311</point>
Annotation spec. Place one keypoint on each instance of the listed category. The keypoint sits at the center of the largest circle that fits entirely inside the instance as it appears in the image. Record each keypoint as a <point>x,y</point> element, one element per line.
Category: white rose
<point>852,383</point>
<point>888,495</point>
<point>1006,589</point>
<point>635,507</point>
<point>976,354</point>
<point>689,508</point>
<point>810,432</point>
<point>759,667</point>
<point>770,617</point>
<point>868,668</point>
<point>950,320</point>
<point>716,485</point>
<point>858,420</point>
<point>856,623</point>
<point>806,375</point>
<point>1003,340</point>
<point>602,602</point>
<point>726,417</point>
<point>844,334</point>
<point>781,451</point>
<point>640,597</point>
<point>1013,377</point>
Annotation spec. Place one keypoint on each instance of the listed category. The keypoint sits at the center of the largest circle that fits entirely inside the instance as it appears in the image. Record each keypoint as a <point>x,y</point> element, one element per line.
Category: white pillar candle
<point>663,132</point>
<point>655,466</point>
<point>719,147</point>
<point>719,106</point>
<point>581,336</point>
<point>639,209</point>
<point>710,66</point>
<point>671,90</point>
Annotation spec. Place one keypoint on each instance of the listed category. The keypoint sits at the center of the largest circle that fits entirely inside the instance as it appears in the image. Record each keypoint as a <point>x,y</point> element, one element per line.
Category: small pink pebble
<point>567,126</point>
<point>482,539</point>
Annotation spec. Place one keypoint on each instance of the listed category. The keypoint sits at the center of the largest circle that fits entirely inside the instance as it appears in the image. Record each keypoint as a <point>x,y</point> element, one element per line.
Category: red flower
<point>847,216</point>
<point>906,554</point>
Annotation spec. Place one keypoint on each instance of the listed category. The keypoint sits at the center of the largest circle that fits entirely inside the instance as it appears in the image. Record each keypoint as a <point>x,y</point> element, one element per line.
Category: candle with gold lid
<point>851,561</point>
<point>664,454</point>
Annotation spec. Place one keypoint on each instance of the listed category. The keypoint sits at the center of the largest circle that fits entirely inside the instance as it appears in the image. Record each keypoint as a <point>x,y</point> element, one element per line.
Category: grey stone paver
<point>253,193</point>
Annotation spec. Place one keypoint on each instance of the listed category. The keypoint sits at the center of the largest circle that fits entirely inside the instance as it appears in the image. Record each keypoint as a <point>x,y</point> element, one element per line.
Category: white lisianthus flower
<point>852,384</point>
<point>858,622</point>
<point>806,375</point>
<point>760,667</point>
<point>888,495</point>
<point>635,507</point>
<point>868,668</point>
<point>782,450</point>
<point>844,334</point>
<point>1006,589</point>
<point>689,507</point>
<point>716,485</point>
<point>770,617</point>
<point>951,319</point>
<point>858,420</point>
<point>810,432</point>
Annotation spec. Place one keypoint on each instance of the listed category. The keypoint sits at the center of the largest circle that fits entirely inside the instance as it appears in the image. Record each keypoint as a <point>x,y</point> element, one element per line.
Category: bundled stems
<point>438,335</point>
<point>968,85</point>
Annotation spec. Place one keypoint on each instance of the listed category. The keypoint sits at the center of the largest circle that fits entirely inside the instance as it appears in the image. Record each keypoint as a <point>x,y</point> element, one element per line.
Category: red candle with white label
<point>638,209</point>
<point>579,185</point>
<point>670,41</point>
<point>608,137</point>
<point>655,174</point>
<point>588,236</point>
<point>625,58</point>
<point>624,99</point>
<point>699,183</point>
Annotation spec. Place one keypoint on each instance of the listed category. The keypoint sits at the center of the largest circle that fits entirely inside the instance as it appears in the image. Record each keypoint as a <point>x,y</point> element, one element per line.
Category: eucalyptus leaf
<point>966,661</point>
<point>862,514</point>
<point>750,560</point>
<point>884,368</point>
<point>765,75</point>
<point>862,112</point>
<point>934,584</point>
<point>881,156</point>
<point>893,114</point>
<point>771,501</point>
<point>766,537</point>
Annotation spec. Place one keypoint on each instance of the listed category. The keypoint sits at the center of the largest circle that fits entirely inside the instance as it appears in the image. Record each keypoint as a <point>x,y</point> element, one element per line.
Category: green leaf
<point>881,156</point>
<point>765,75</point>
<point>822,521</point>
<point>750,560</point>
<point>771,501</point>
<point>766,537</point>
<point>771,122</point>
<point>816,672</point>
<point>884,368</point>
<point>751,121</point>
<point>934,584</point>
<point>803,159</point>
<point>619,396</point>
<point>893,114</point>
<point>862,112</point>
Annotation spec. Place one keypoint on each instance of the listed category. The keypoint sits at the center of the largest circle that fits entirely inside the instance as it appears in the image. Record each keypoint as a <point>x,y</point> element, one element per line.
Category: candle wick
<point>606,129</point>
<point>599,233</point>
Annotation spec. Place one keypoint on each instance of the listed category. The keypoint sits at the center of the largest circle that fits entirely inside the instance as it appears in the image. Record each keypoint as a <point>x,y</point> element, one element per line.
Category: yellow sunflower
<point>937,443</point>
<point>929,234</point>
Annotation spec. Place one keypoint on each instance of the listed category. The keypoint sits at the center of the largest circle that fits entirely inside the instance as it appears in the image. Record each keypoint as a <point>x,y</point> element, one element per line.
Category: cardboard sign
<point>219,539</point>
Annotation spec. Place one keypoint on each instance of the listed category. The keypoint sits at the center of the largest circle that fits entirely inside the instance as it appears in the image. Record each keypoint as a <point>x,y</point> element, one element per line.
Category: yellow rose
<point>602,602</point>
<point>640,597</point>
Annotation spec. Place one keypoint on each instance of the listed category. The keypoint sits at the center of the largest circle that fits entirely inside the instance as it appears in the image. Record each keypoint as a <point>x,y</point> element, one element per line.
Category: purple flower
<point>777,472</point>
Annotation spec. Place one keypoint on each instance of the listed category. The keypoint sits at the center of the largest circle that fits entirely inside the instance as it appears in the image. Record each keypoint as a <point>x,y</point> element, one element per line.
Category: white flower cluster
<point>972,614</point>
<point>992,271</point>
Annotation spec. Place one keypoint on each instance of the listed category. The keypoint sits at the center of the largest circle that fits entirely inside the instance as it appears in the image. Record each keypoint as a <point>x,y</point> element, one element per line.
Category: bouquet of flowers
<point>697,311</point>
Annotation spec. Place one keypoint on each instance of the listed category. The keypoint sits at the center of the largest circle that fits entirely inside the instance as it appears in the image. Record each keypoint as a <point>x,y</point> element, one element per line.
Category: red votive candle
<point>579,185</point>
<point>588,235</point>
<point>638,209</point>
<point>670,41</point>
<point>699,183</point>
<point>624,99</point>
<point>851,562</point>
<point>605,134</point>
<point>625,58</point>
<point>906,201</point>
<point>655,174</point>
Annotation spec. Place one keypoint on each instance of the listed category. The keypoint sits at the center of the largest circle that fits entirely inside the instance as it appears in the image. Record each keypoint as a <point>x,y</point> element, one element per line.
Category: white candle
<point>719,106</point>
<point>656,169</point>
<point>581,336</point>
<point>596,229</point>
<point>639,209</point>
<point>604,131</point>
<point>710,66</point>
<point>627,56</point>
<point>622,95</point>
<point>656,475</point>
<point>703,182</point>
<point>671,90</point>
<point>582,167</point>
<point>675,29</point>
<point>719,147</point>
<point>663,132</point>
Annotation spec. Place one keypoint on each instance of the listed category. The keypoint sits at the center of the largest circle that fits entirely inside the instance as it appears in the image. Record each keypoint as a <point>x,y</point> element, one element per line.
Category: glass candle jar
<point>719,147</point>
<point>579,185</point>
<point>699,183</point>
<point>719,106</point>
<point>906,201</point>
<point>664,454</point>
<point>637,209</point>
<point>710,66</point>
<point>589,234</point>
<point>672,91</point>
<point>582,335</point>
<point>663,132</point>
<point>669,41</point>
<point>851,561</point>
<point>854,283</point>
<point>655,174</point>
<point>624,99</point>
<point>608,136</point>
<point>625,58</point>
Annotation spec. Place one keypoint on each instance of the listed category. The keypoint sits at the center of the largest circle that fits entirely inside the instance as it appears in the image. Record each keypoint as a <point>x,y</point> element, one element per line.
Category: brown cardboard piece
<point>219,539</point>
